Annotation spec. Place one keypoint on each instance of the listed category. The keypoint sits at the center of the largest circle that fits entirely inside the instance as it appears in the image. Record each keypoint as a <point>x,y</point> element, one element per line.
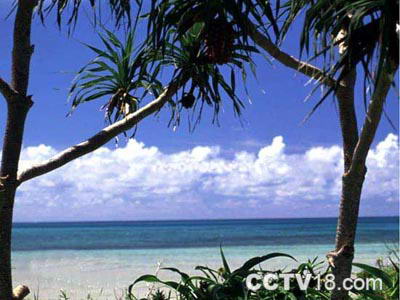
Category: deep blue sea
<point>103,258</point>
<point>189,234</point>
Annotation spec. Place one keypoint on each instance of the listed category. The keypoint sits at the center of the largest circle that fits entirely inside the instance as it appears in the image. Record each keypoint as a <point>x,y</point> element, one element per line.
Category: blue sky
<point>267,165</point>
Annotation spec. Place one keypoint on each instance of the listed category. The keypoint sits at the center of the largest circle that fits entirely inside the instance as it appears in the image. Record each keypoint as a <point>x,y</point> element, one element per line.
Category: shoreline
<point>102,272</point>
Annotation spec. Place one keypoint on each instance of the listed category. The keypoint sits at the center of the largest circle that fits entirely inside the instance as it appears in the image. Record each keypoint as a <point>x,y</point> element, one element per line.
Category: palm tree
<point>122,75</point>
<point>18,105</point>
<point>363,32</point>
<point>181,38</point>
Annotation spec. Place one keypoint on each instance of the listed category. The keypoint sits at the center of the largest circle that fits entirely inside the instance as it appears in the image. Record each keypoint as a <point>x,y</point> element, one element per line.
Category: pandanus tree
<point>363,35</point>
<point>347,35</point>
<point>124,77</point>
<point>182,37</point>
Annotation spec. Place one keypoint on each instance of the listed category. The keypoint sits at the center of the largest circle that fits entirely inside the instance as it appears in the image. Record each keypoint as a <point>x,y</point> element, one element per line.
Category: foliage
<point>119,69</point>
<point>206,82</point>
<point>120,9</point>
<point>67,11</point>
<point>183,14</point>
<point>118,72</point>
<point>230,285</point>
<point>364,31</point>
<point>183,33</point>
<point>227,284</point>
<point>389,275</point>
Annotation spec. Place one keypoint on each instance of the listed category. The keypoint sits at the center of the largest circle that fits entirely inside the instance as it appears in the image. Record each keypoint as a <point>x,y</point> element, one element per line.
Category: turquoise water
<point>185,234</point>
<point>103,258</point>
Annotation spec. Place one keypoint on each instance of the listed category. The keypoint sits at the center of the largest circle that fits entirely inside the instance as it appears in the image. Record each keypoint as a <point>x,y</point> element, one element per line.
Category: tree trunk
<point>6,211</point>
<point>346,230</point>
<point>351,185</point>
<point>9,167</point>
<point>18,104</point>
<point>355,154</point>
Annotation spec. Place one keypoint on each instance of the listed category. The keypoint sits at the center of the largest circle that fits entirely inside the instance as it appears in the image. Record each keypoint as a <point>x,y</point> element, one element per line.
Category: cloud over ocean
<point>138,181</point>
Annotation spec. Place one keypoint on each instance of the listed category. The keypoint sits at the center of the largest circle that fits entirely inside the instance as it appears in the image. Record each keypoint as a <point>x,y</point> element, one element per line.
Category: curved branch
<point>288,60</point>
<point>100,138</point>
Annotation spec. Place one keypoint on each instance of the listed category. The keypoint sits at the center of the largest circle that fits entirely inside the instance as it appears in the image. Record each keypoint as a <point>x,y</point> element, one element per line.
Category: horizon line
<point>185,220</point>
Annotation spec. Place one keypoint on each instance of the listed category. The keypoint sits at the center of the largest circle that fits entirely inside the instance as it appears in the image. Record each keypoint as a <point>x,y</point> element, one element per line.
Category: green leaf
<point>248,265</point>
<point>233,83</point>
<point>185,277</point>
<point>369,294</point>
<point>320,295</point>
<point>376,272</point>
<point>144,278</point>
<point>224,262</point>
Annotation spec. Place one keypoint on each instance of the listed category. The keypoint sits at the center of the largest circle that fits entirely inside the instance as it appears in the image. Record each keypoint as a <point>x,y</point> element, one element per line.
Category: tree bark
<point>100,138</point>
<point>355,148</point>
<point>346,230</point>
<point>16,117</point>
<point>18,105</point>
<point>353,178</point>
<point>347,115</point>
<point>288,60</point>
<point>351,185</point>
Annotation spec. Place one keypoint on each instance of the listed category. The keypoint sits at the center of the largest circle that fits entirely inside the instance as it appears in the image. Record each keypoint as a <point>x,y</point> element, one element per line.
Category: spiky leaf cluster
<point>363,30</point>
<point>71,9</point>
<point>197,37</point>
<point>117,74</point>
<point>205,81</point>
<point>183,14</point>
<point>227,284</point>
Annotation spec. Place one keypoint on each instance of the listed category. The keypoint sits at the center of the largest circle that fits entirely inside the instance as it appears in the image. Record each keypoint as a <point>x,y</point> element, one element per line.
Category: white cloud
<point>136,181</point>
<point>383,161</point>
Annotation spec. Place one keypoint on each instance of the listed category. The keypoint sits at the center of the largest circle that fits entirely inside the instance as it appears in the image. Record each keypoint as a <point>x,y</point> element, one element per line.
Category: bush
<point>389,276</point>
<point>227,284</point>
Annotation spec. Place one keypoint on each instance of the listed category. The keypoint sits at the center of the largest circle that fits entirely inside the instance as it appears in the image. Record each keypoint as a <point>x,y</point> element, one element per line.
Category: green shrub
<point>389,276</point>
<point>227,284</point>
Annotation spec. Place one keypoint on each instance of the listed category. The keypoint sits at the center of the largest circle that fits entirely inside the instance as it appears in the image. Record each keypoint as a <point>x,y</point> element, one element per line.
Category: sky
<point>266,164</point>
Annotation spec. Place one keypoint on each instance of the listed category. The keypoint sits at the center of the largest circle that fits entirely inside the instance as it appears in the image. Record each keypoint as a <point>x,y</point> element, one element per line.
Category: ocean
<point>103,258</point>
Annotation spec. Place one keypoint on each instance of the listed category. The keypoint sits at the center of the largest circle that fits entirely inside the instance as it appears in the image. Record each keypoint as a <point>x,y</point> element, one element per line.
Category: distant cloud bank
<point>141,182</point>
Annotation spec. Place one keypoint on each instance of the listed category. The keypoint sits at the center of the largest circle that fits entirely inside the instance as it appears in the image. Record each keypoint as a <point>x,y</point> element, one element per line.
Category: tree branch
<point>348,118</point>
<point>287,60</point>
<point>100,138</point>
<point>6,90</point>
<point>373,117</point>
